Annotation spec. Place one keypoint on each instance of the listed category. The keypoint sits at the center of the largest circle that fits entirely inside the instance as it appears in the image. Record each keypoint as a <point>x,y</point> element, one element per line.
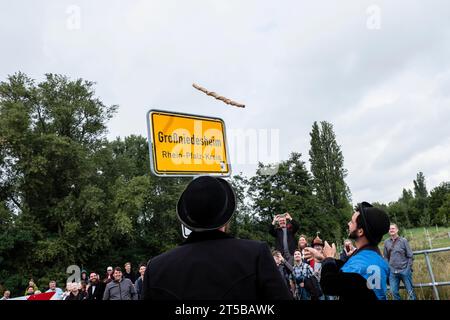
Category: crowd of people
<point>117,284</point>
<point>310,268</point>
<point>302,271</point>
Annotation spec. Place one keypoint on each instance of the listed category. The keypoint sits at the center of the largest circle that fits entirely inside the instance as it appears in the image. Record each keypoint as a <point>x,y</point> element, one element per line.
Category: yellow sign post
<point>187,145</point>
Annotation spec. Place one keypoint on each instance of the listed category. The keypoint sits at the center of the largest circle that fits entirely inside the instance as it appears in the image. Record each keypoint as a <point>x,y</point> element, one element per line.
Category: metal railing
<point>433,282</point>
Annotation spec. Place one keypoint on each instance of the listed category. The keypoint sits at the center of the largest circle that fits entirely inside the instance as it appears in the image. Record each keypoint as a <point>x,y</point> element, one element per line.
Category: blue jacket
<point>363,277</point>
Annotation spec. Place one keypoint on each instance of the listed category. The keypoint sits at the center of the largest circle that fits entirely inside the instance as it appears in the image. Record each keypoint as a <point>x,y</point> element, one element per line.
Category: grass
<point>430,238</point>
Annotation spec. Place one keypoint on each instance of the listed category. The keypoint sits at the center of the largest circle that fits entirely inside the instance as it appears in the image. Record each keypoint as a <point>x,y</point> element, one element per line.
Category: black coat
<point>213,265</point>
<point>131,276</point>
<point>98,293</point>
<point>292,228</point>
<point>79,296</point>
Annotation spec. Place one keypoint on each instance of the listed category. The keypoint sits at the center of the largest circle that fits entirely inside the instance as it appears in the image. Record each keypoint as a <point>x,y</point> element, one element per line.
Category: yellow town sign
<point>187,145</point>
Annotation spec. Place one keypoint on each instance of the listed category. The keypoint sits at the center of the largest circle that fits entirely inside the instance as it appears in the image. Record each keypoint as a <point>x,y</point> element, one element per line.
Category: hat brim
<point>183,215</point>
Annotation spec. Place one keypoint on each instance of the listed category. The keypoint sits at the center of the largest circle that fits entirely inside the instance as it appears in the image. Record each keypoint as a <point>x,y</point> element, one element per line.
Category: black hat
<point>375,222</point>
<point>207,203</point>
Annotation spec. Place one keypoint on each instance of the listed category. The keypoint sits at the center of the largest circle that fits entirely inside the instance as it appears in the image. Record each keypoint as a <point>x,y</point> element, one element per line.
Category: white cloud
<point>290,62</point>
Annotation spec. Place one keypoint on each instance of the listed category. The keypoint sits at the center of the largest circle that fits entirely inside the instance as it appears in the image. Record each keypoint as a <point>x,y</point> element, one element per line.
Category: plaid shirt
<point>300,272</point>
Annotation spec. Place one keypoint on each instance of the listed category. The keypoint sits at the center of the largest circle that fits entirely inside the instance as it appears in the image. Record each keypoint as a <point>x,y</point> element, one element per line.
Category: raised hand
<point>329,251</point>
<point>311,253</point>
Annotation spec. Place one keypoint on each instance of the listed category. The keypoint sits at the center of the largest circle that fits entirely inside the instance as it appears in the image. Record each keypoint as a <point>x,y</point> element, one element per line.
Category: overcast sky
<point>379,71</point>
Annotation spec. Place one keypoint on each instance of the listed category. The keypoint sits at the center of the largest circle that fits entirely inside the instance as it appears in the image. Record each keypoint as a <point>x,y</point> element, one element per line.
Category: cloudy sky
<point>378,70</point>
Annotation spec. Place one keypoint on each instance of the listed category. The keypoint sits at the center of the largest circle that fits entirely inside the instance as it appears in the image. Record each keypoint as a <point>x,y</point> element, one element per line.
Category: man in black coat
<point>284,228</point>
<point>96,288</point>
<point>210,264</point>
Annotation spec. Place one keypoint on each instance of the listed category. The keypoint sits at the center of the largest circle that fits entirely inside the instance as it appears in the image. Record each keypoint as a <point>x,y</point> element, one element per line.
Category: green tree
<point>50,134</point>
<point>443,213</point>
<point>242,224</point>
<point>67,195</point>
<point>290,190</point>
<point>437,198</point>
<point>327,167</point>
<point>420,188</point>
<point>421,213</point>
<point>403,210</point>
<point>399,213</point>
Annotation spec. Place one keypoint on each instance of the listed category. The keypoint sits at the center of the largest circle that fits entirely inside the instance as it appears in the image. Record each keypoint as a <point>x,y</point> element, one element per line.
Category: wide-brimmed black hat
<point>375,222</point>
<point>207,203</point>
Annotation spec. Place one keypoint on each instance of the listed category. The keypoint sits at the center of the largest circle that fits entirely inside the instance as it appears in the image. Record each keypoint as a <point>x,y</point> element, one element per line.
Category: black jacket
<point>343,256</point>
<point>292,228</point>
<point>79,296</point>
<point>213,265</point>
<point>138,287</point>
<point>131,276</point>
<point>98,292</point>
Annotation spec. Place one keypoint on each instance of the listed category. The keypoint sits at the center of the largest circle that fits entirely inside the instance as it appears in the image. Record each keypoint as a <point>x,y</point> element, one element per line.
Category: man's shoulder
<point>360,262</point>
<point>249,242</point>
<point>218,244</point>
<point>242,243</point>
<point>403,239</point>
<point>361,258</point>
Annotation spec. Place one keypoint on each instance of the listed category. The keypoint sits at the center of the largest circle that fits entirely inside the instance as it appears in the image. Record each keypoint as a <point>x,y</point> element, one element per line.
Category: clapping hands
<point>328,252</point>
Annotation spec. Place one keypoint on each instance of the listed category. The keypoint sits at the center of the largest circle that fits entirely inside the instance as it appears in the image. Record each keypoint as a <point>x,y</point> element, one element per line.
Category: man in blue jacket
<point>364,275</point>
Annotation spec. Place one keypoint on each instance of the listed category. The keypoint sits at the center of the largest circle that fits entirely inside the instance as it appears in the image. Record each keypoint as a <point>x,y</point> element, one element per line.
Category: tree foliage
<point>69,196</point>
<point>420,208</point>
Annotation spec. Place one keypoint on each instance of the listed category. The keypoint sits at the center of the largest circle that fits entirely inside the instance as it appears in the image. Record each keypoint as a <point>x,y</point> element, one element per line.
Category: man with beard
<point>364,276</point>
<point>96,288</point>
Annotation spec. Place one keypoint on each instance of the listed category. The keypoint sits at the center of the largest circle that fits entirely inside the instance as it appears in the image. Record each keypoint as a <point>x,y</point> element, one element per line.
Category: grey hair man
<point>399,255</point>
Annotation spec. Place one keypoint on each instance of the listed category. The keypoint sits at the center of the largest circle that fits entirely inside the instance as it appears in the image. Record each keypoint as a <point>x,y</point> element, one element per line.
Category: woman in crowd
<point>301,279</point>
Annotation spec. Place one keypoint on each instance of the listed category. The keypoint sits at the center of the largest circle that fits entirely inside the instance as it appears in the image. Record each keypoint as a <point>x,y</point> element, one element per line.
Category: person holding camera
<point>283,266</point>
<point>347,251</point>
<point>284,228</point>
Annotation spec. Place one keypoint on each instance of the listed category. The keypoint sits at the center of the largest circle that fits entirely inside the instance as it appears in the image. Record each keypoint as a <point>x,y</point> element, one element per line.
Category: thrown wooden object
<point>219,97</point>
